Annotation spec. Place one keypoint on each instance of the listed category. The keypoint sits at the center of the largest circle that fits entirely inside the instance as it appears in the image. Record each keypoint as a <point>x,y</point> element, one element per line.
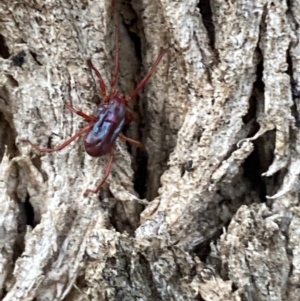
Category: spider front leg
<point>147,76</point>
<point>101,81</point>
<point>63,145</point>
<point>81,114</point>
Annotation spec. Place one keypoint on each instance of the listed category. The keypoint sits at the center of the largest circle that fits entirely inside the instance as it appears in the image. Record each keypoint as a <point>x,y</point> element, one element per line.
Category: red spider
<point>109,119</point>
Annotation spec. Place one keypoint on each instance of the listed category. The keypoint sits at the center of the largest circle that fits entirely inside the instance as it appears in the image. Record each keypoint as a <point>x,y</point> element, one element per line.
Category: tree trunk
<point>220,164</point>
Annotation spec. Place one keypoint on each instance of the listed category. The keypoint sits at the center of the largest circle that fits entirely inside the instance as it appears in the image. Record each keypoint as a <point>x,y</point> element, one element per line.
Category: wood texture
<point>217,214</point>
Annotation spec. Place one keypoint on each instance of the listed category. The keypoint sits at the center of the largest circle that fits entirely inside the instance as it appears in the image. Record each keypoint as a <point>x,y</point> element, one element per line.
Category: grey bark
<point>219,121</point>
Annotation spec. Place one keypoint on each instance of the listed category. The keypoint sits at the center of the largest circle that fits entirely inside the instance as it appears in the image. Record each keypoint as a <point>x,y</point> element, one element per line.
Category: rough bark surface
<point>220,124</point>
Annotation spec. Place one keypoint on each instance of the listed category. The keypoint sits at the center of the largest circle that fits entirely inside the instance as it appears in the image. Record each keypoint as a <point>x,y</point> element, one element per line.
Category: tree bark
<point>209,208</point>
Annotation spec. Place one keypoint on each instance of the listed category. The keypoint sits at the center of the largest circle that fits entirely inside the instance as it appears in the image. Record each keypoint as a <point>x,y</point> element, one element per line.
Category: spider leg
<point>81,114</point>
<point>147,76</point>
<point>107,172</point>
<point>130,140</point>
<point>101,81</point>
<point>63,145</point>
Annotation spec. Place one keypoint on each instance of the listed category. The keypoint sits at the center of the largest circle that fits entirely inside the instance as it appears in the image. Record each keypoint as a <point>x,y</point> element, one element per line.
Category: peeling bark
<point>208,209</point>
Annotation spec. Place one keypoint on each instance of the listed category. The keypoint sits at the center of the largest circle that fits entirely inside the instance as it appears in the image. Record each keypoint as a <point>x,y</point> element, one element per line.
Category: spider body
<point>105,126</point>
<point>111,120</point>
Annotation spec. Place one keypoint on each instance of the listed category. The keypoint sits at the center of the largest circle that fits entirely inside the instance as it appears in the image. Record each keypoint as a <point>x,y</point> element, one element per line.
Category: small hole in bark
<point>49,142</point>
<point>252,173</point>
<point>188,166</point>
<point>297,122</point>
<point>19,59</point>
<point>197,136</point>
<point>258,162</point>
<point>234,287</point>
<point>36,161</point>
<point>295,109</point>
<point>7,136</point>
<point>199,297</point>
<point>34,55</point>
<point>38,20</point>
<point>29,212</point>
<point>259,84</point>
<point>251,111</point>
<point>3,292</point>
<point>4,50</point>
<point>136,41</point>
<point>140,177</point>
<point>12,81</point>
<point>206,12</point>
<point>290,63</point>
<point>203,251</point>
